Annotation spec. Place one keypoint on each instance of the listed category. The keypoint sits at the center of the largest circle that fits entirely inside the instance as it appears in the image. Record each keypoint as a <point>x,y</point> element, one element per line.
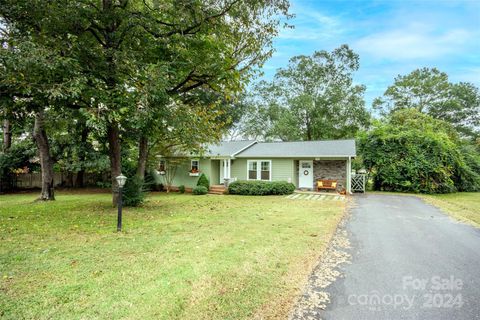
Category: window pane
<point>194,165</point>
<point>265,175</point>
<point>265,170</point>
<point>252,174</point>
<point>265,166</point>
<point>306,165</point>
<point>252,165</point>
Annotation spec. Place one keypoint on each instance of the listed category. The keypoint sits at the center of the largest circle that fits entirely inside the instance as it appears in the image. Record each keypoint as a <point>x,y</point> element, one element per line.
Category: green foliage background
<point>413,152</point>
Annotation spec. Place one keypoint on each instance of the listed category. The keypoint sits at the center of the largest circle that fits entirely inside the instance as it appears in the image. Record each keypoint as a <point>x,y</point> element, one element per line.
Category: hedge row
<point>261,188</point>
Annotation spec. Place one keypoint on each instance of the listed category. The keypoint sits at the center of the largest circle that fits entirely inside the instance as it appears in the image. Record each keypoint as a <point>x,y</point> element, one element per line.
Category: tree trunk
<point>115,157</point>
<point>46,161</point>
<point>142,156</point>
<point>83,157</point>
<point>80,182</point>
<point>7,135</point>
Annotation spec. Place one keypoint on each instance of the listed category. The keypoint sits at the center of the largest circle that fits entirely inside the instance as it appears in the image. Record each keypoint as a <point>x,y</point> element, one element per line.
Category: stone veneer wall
<point>330,170</point>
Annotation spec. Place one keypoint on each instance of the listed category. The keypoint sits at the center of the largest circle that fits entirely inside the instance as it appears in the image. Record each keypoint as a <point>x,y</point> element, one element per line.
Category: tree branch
<point>191,29</point>
<point>94,33</point>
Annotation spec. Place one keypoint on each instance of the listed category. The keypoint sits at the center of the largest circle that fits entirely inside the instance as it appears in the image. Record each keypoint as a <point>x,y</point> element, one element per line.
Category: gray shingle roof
<point>227,148</point>
<point>325,148</point>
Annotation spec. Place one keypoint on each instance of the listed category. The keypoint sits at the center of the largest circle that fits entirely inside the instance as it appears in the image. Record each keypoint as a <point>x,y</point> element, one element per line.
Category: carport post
<point>229,163</point>
<point>225,168</point>
<point>349,175</point>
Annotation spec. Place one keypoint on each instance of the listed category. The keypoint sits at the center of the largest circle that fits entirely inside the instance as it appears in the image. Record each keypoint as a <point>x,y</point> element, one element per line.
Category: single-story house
<point>299,162</point>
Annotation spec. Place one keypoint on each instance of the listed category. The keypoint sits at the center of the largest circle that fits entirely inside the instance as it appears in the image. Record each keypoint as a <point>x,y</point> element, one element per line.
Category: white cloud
<point>415,42</point>
<point>311,24</point>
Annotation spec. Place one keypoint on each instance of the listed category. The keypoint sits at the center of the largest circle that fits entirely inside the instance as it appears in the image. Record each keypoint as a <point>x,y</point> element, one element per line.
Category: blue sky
<point>392,37</point>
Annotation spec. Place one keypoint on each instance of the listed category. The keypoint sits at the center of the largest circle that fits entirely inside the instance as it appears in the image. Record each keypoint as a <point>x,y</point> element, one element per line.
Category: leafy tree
<point>414,152</point>
<point>36,80</point>
<point>313,98</point>
<point>429,91</point>
<point>75,145</point>
<point>7,135</point>
<point>16,158</point>
<point>184,48</point>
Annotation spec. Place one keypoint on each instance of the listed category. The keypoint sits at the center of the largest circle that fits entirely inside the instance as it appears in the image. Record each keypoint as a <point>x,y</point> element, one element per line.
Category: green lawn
<point>464,206</point>
<point>180,257</point>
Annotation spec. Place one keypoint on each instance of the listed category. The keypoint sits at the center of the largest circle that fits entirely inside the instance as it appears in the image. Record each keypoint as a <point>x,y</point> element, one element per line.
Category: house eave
<point>296,156</point>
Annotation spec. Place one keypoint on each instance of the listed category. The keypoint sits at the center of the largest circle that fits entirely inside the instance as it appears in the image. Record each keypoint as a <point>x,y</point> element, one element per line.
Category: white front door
<point>305,174</point>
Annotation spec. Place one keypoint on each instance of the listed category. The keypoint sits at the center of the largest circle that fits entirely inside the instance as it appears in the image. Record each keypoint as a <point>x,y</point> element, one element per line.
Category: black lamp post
<point>121,179</point>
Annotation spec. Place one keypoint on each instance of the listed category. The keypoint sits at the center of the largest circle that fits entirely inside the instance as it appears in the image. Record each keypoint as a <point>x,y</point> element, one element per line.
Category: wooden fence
<point>34,180</point>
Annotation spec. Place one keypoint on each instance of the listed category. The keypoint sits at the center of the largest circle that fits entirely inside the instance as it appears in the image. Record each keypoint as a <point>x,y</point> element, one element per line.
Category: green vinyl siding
<point>295,173</point>
<point>214,172</point>
<point>238,169</point>
<point>182,175</point>
<point>282,169</point>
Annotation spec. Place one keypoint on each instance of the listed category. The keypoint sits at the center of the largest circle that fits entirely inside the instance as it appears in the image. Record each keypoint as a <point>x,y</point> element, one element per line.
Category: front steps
<point>217,189</point>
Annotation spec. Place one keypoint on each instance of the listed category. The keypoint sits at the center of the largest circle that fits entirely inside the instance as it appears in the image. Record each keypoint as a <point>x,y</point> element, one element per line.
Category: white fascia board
<point>296,156</point>
<point>243,149</point>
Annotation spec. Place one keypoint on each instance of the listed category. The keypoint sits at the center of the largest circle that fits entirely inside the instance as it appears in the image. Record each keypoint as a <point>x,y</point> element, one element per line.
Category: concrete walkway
<point>315,196</point>
<point>408,260</point>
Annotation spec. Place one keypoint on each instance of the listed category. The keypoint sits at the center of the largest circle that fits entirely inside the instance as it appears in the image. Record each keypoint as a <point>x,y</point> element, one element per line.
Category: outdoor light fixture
<point>121,179</point>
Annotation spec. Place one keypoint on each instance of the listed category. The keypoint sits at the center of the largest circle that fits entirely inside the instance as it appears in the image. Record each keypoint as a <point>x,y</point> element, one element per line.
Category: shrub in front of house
<point>282,187</point>
<point>153,180</point>
<point>181,188</point>
<point>203,181</point>
<point>199,190</point>
<point>261,188</point>
<point>134,192</point>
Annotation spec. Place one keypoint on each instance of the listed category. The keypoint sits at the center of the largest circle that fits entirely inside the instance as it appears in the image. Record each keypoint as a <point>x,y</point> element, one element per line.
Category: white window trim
<point>198,164</point>
<point>259,169</point>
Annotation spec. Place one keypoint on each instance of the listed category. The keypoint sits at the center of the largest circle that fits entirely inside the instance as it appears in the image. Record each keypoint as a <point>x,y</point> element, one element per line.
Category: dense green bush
<point>17,157</point>
<point>199,190</point>
<point>153,181</point>
<point>467,175</point>
<point>134,192</point>
<point>261,188</point>
<point>181,188</point>
<point>412,152</point>
<point>203,181</point>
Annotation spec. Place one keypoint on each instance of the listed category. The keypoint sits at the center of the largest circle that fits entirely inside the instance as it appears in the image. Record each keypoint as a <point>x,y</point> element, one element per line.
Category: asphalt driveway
<point>408,261</point>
